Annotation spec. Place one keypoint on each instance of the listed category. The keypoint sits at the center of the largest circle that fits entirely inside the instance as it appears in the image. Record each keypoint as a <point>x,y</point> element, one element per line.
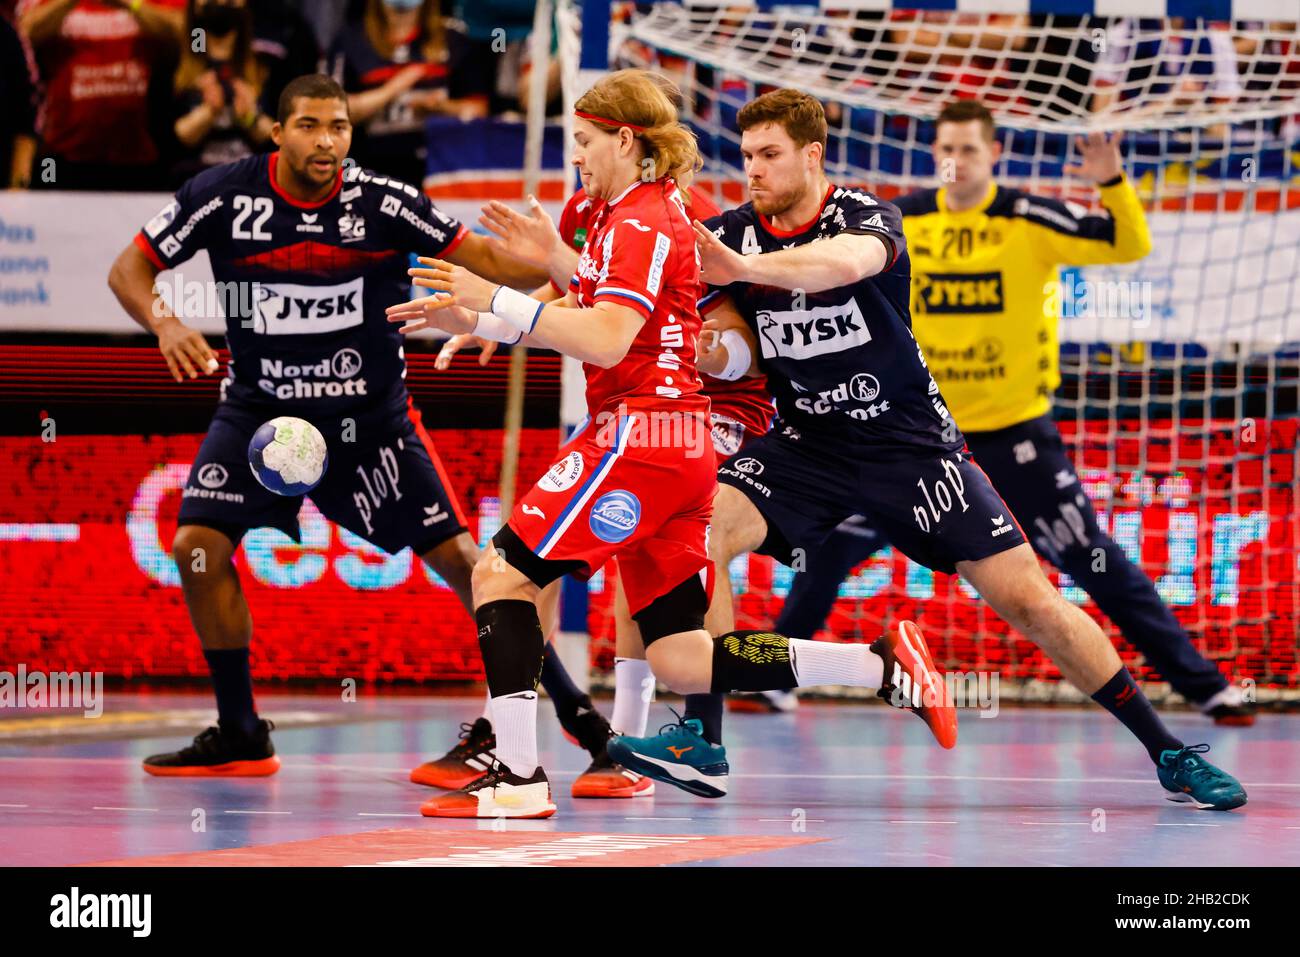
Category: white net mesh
<point>1179,372</point>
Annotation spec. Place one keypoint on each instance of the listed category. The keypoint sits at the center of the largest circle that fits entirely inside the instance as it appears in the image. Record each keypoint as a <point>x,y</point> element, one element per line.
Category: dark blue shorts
<point>937,509</point>
<point>387,485</point>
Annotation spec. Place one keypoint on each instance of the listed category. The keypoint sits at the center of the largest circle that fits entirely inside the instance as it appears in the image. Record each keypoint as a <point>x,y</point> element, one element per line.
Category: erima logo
<point>959,293</point>
<point>433,514</point>
<point>290,309</point>
<point>309,225</point>
<point>804,333</point>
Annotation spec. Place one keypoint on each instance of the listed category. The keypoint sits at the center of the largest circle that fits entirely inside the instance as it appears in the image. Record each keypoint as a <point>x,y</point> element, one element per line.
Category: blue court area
<point>832,784</point>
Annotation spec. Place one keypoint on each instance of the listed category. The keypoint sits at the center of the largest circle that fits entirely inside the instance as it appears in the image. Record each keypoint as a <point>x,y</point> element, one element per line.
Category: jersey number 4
<point>246,206</point>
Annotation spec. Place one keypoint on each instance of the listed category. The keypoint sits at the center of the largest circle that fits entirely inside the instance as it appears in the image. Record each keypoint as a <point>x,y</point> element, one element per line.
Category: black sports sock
<point>233,683</point>
<point>707,709</point>
<point>1124,699</point>
<point>510,639</point>
<point>752,661</point>
<point>565,695</point>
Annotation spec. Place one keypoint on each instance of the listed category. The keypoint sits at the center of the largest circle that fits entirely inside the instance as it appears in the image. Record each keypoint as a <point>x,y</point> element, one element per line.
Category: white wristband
<point>497,329</point>
<point>516,308</point>
<point>738,355</point>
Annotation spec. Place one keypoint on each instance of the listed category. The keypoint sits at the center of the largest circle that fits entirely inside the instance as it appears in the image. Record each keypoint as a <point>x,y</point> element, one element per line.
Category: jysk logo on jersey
<point>615,516</point>
<point>803,333</point>
<point>286,309</point>
<point>959,293</point>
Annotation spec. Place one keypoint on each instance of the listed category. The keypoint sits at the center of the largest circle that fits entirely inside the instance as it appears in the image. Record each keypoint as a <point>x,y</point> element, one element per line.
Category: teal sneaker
<point>678,755</point>
<point>1191,779</point>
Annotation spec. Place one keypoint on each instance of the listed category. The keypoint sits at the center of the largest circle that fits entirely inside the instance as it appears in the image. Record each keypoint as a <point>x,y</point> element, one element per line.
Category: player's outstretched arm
<point>532,238</point>
<point>600,336</point>
<point>132,280</point>
<point>827,264</point>
<point>728,347</point>
<point>489,260</point>
<point>1122,237</point>
<point>487,347</point>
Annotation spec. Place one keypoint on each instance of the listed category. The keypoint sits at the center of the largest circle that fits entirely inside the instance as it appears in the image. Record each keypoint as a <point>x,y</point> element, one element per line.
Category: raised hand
<point>465,288</point>
<point>1100,159</point>
<point>532,237</point>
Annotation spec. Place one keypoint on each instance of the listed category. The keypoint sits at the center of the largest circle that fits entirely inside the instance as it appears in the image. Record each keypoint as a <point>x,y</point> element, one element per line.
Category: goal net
<point>1179,391</point>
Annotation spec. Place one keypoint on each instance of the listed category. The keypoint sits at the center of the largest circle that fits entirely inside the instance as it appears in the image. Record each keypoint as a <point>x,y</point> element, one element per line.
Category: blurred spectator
<point>1167,66</point>
<point>284,43</point>
<point>395,65</point>
<point>496,32</point>
<point>221,114</point>
<point>107,68</point>
<point>18,119</point>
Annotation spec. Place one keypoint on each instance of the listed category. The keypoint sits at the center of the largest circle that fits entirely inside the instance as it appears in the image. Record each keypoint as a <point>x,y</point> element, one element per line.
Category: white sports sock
<point>825,663</point>
<point>633,691</point>
<point>514,719</point>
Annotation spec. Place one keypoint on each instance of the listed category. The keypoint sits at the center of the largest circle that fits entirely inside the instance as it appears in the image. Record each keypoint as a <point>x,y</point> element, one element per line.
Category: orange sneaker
<point>219,753</point>
<point>464,764</point>
<point>499,793</point>
<point>913,682</point>
<point>605,779</point>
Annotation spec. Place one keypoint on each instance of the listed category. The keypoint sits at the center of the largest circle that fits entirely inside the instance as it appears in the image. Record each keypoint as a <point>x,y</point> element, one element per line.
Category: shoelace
<point>678,728</point>
<point>206,741</point>
<point>495,773</point>
<point>1194,766</point>
<point>466,744</point>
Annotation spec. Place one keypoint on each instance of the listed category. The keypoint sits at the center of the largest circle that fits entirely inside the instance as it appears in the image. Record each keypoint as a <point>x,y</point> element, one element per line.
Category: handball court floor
<point>832,784</point>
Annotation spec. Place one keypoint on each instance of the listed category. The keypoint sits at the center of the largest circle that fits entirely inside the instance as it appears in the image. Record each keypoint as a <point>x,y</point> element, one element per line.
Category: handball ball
<point>288,455</point>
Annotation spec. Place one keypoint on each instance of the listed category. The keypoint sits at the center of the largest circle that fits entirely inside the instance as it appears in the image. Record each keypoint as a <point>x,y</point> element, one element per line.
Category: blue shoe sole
<point>621,754</point>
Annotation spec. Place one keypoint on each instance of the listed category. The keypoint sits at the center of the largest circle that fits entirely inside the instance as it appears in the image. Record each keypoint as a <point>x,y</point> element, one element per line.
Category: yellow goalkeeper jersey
<point>985,299</point>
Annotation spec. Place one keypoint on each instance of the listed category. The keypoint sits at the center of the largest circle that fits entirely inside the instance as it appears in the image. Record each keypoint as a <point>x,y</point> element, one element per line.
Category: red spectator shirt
<point>640,253</point>
<point>744,401</point>
<point>97,72</point>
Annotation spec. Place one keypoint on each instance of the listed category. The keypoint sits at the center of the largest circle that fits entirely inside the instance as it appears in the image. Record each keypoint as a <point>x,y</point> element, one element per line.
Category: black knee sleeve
<point>681,609</point>
<point>510,638</point>
<point>752,661</point>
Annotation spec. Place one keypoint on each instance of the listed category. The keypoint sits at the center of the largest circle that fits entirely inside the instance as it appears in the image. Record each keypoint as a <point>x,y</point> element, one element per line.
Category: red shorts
<point>614,492</point>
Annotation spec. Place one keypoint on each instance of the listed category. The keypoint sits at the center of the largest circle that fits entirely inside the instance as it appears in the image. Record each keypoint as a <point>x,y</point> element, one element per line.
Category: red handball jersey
<point>742,409</point>
<point>640,253</point>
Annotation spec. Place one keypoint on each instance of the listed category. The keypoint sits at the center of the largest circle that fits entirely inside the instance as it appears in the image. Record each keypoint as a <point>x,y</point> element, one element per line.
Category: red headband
<point>608,122</point>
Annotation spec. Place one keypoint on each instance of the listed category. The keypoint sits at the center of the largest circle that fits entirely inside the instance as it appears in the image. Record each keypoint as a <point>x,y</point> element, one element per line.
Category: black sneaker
<point>464,764</point>
<point>588,729</point>
<point>1232,715</point>
<point>220,752</point>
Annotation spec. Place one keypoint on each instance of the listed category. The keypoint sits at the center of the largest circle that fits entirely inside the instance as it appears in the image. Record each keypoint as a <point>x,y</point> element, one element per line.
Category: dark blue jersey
<point>841,364</point>
<point>307,282</point>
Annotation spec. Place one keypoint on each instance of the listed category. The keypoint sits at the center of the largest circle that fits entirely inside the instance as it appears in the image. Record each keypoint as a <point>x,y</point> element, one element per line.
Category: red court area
<point>831,784</point>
